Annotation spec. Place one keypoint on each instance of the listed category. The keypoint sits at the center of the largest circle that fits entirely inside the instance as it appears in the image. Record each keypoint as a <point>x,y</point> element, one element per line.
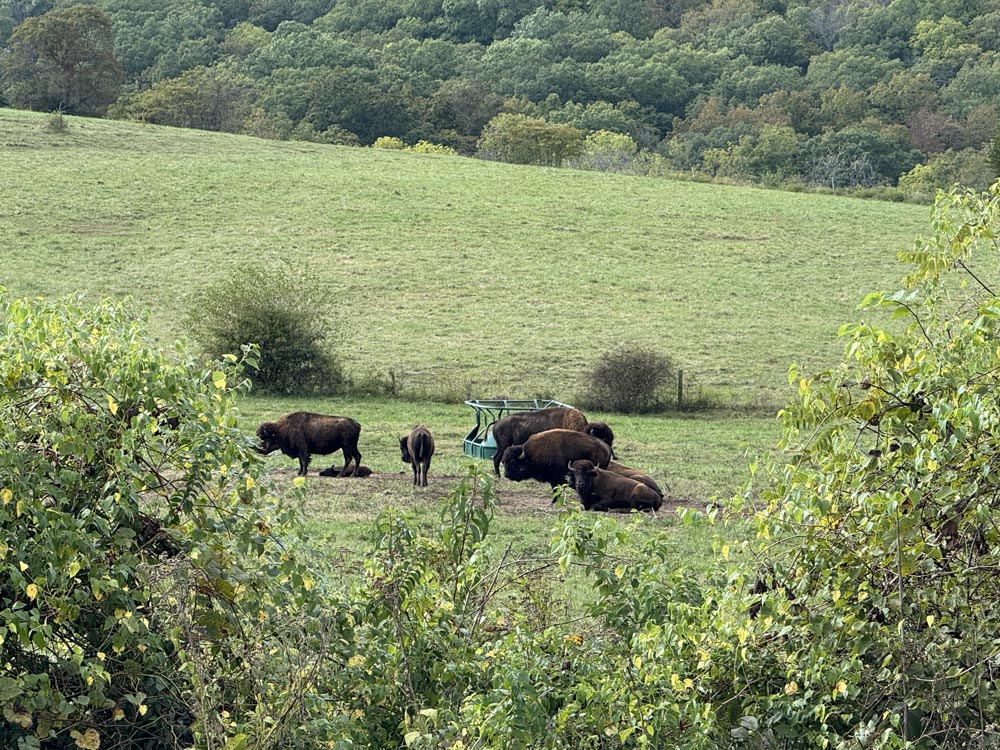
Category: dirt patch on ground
<point>384,488</point>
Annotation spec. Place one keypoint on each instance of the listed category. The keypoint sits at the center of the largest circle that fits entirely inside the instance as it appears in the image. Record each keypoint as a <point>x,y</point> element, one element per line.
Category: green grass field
<point>465,279</point>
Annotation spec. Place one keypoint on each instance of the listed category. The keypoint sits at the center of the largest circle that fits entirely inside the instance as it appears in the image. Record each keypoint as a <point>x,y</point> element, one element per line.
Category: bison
<point>516,428</point>
<point>602,431</point>
<point>545,455</point>
<point>300,434</point>
<point>628,471</point>
<point>335,471</point>
<point>602,490</point>
<point>416,450</point>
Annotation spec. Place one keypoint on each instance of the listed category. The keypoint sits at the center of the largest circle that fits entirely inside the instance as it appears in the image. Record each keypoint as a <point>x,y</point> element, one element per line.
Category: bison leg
<point>416,472</point>
<point>349,454</point>
<point>425,467</point>
<point>304,463</point>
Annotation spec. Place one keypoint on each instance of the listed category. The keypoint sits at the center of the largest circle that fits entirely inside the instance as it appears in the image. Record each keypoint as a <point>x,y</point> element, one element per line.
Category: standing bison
<point>516,428</point>
<point>302,433</point>
<point>545,455</point>
<point>605,490</point>
<point>416,450</point>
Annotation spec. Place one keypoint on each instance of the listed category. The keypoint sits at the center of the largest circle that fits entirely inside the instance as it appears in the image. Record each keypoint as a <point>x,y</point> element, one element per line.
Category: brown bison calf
<point>335,471</point>
<point>300,434</point>
<point>544,456</point>
<point>416,450</point>
<point>602,490</point>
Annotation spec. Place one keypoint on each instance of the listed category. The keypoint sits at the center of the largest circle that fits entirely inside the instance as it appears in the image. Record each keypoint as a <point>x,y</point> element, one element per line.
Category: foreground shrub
<point>143,597</point>
<point>630,379</point>
<point>880,594</point>
<point>284,316</point>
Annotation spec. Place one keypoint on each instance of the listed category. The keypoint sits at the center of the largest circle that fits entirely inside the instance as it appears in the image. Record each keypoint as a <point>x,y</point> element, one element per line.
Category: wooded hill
<point>830,93</point>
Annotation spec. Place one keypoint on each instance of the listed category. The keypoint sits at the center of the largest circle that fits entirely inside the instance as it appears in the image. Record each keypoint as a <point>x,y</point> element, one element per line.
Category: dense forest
<point>834,93</point>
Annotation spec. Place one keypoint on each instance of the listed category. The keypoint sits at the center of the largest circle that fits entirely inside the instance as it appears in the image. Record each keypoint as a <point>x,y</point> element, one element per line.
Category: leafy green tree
<point>270,14</point>
<point>943,46</point>
<point>607,151</point>
<point>186,32</point>
<point>842,107</point>
<point>775,41</point>
<point>203,98</point>
<point>903,94</point>
<point>976,85</point>
<point>458,110</point>
<point>243,39</point>
<point>856,69</point>
<point>967,167</point>
<point>64,60</point>
<point>746,84</point>
<point>859,157</point>
<point>143,588</point>
<point>520,139</point>
<point>993,156</point>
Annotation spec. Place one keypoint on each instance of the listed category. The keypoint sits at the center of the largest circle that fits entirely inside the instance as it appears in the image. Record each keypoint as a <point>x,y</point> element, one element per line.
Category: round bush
<point>285,317</point>
<point>629,379</point>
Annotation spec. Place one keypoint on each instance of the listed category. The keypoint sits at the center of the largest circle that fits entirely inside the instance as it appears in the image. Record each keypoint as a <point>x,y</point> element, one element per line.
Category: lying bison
<point>602,490</point>
<point>601,431</point>
<point>335,471</point>
<point>300,434</point>
<point>516,428</point>
<point>416,449</point>
<point>545,455</point>
<point>628,471</point>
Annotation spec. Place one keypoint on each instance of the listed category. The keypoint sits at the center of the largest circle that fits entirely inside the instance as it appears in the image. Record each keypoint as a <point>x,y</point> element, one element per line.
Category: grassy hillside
<point>463,277</point>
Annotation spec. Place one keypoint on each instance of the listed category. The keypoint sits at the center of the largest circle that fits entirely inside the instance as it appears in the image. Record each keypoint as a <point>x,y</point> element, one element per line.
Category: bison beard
<point>300,434</point>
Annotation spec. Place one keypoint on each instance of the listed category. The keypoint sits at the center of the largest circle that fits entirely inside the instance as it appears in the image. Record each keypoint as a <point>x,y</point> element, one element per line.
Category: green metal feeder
<point>479,443</point>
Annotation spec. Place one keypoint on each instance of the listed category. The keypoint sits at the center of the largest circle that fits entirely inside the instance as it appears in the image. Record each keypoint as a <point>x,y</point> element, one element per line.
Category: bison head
<point>515,463</point>
<point>404,450</point>
<point>584,473</point>
<point>602,431</point>
<point>267,433</point>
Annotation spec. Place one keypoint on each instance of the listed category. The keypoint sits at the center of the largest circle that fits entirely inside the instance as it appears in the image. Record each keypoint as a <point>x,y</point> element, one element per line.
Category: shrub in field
<point>389,142</point>
<point>426,147</point>
<point>144,599</point>
<point>283,315</point>
<point>629,379</point>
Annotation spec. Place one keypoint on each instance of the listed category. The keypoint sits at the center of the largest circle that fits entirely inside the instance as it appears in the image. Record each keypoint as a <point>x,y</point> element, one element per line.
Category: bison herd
<point>556,446</point>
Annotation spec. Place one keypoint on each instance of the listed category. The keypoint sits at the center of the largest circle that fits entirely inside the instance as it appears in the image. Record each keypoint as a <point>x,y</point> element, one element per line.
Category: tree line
<point>834,93</point>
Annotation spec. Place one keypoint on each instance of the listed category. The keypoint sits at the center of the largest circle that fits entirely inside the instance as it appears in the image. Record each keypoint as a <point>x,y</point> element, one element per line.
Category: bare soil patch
<point>396,488</point>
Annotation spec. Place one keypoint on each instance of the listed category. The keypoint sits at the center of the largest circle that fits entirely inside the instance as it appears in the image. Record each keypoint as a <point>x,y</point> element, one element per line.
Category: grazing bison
<point>416,450</point>
<point>545,455</point>
<point>602,490</point>
<point>628,471</point>
<point>335,471</point>
<point>516,428</point>
<point>300,434</point>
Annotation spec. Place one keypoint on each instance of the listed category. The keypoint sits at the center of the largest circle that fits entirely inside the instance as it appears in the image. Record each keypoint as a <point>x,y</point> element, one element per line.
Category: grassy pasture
<point>464,278</point>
